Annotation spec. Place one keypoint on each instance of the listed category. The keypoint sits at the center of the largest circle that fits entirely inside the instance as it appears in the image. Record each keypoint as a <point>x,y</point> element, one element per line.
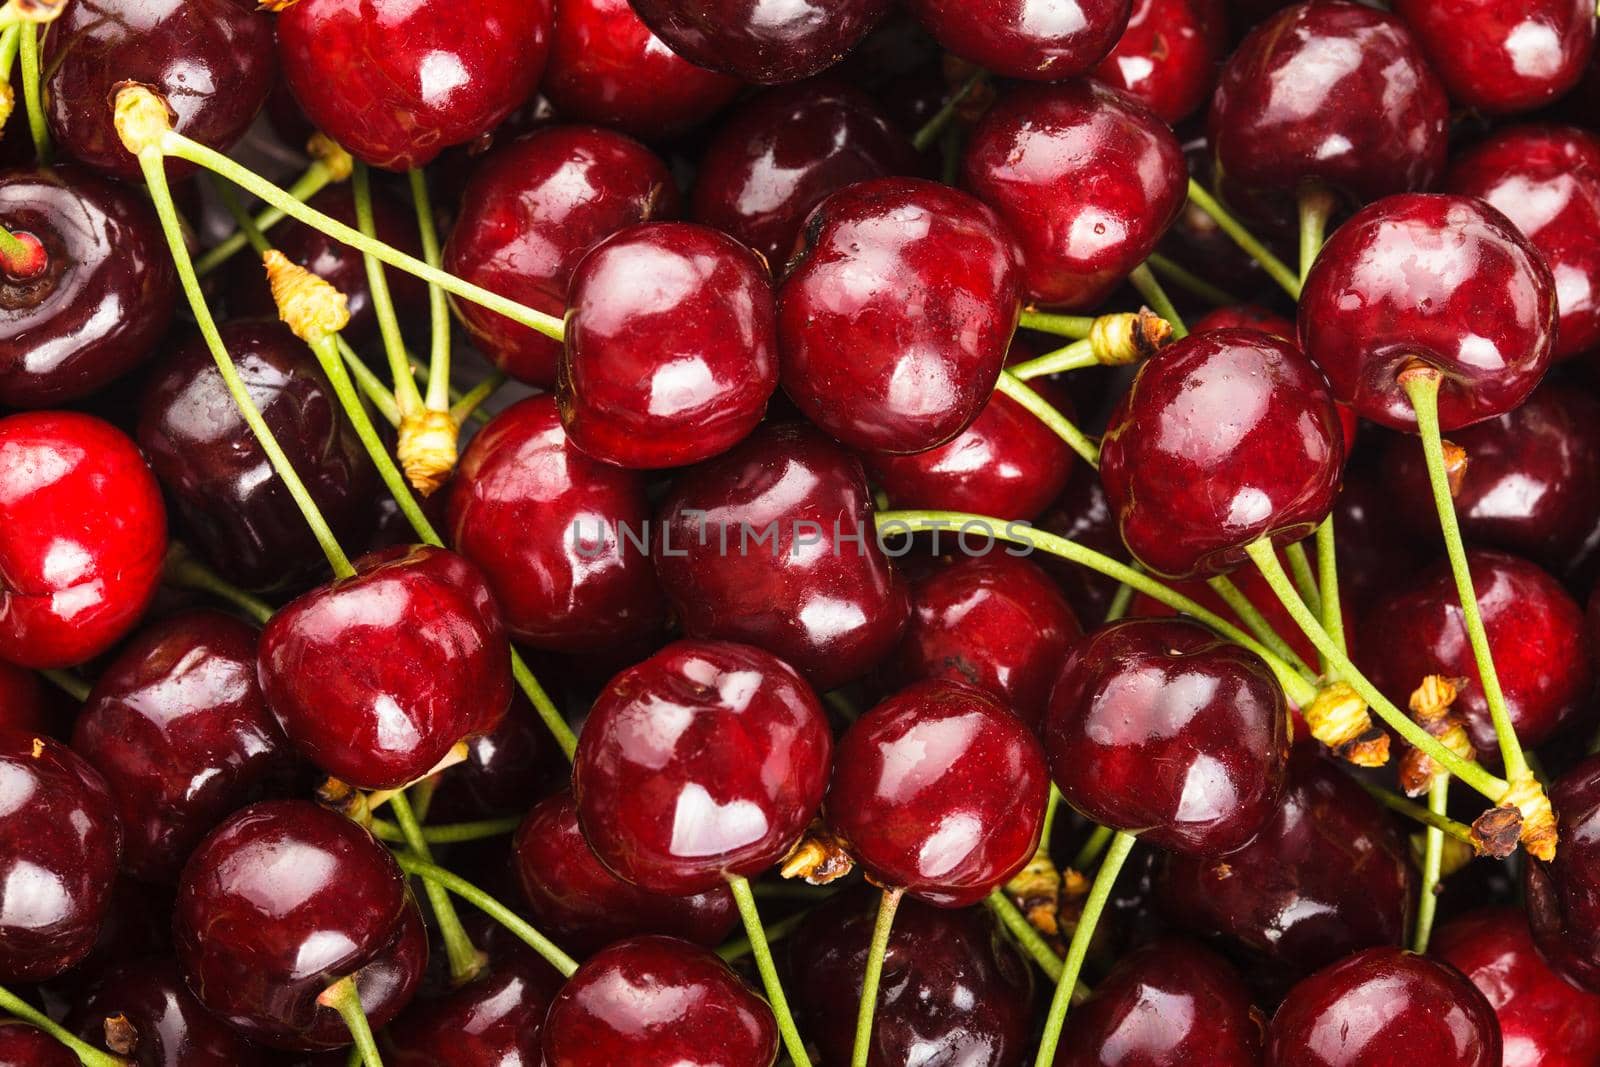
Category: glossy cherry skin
<point>212,61</point>
<point>939,791</point>
<point>761,41</point>
<point>1225,438</point>
<point>22,700</point>
<point>1245,317</point>
<point>559,536</point>
<point>496,1021</point>
<point>1160,728</point>
<point>778,502</point>
<point>170,1026</point>
<point>396,83</point>
<point>1504,56</point>
<point>785,151</point>
<point>954,988</point>
<point>1536,634</point>
<point>73,579</point>
<point>59,848</point>
<point>1088,180</point>
<point>1563,896</point>
<point>1446,280</point>
<point>657,1002</point>
<point>506,771</point>
<point>1018,39</point>
<point>1544,1021</point>
<point>671,346</point>
<point>374,677</point>
<point>583,907</point>
<point>1169,55</point>
<point>705,761</point>
<point>22,1045</point>
<point>280,902</point>
<point>1546,180</point>
<point>895,319</point>
<point>1384,1008</point>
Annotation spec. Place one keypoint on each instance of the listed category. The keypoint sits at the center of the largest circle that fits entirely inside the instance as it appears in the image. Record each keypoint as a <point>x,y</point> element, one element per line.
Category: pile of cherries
<point>710,533</point>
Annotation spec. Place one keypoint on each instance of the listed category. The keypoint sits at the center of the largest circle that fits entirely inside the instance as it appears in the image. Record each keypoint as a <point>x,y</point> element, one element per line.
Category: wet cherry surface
<point>496,1021</point>
<point>1020,39</point>
<point>1500,57</point>
<point>1169,55</point>
<point>1563,896</point>
<point>170,1027</point>
<point>762,41</point>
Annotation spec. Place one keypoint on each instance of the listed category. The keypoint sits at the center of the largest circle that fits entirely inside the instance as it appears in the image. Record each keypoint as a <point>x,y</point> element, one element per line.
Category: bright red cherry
<point>1087,179</point>
<point>1169,55</point>
<point>762,41</point>
<point>23,1045</point>
<point>671,346</point>
<point>82,538</point>
<point>658,1002</point>
<point>1563,896</point>
<point>706,760</point>
<point>145,1001</point>
<point>532,210</point>
<point>375,677</point>
<point>1021,39</point>
<point>1502,56</point>
<point>396,81</point>
<point>1384,1006</point>
<point>496,1021</point>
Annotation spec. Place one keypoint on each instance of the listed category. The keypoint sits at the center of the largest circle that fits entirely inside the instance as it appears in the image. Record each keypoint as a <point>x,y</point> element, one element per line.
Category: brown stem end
<point>819,857</point>
<point>1339,718</point>
<point>1430,705</point>
<point>122,1037</point>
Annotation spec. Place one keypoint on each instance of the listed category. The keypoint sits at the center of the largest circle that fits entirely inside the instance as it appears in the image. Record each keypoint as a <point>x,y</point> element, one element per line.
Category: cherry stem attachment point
<point>345,998</point>
<point>491,907</point>
<point>1046,413</point>
<point>1288,279</point>
<point>1184,278</point>
<point>21,255</point>
<point>466,962</point>
<point>186,572</point>
<point>1149,288</point>
<point>1432,864</point>
<point>751,915</point>
<point>87,1054</point>
<point>868,1008</point>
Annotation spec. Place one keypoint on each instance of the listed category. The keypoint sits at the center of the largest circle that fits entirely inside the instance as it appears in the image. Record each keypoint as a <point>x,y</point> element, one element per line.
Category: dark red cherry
<point>1160,728</point>
<point>1245,317</point>
<point>374,677</point>
<point>1169,55</point>
<point>1563,896</point>
<point>997,622</point>
<point>1087,179</point>
<point>1167,1003</point>
<point>59,847</point>
<point>506,770</point>
<point>103,298</point>
<point>1546,180</point>
<point>1082,515</point>
<point>177,726</point>
<point>1446,280</point>
<point>1225,438</point>
<point>671,346</point>
<point>497,1021</point>
<point>583,907</point>
<point>1544,1021</point>
<point>24,1045</point>
<point>784,152</point>
<point>82,537</point>
<point>658,1002</point>
<point>773,544</point>
<point>146,1002</point>
<point>1377,553</point>
<point>562,539</point>
<point>280,902</point>
<point>762,41</point>
<point>939,791</point>
<point>1020,39</point>
<point>22,700</point>
<point>1503,56</point>
<point>1384,1007</point>
<point>396,82</point>
<point>1536,634</point>
<point>212,61</point>
<point>954,988</point>
<point>896,317</point>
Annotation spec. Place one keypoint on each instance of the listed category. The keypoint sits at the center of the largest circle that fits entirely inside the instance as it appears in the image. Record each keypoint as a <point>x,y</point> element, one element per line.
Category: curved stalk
<point>491,907</point>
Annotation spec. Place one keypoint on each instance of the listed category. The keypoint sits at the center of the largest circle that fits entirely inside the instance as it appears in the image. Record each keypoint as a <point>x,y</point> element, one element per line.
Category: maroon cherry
<point>1384,1007</point>
<point>146,1005</point>
<point>802,576</point>
<point>1019,39</point>
<point>895,318</point>
<point>82,538</point>
<point>1169,55</point>
<point>396,82</point>
<point>762,41</point>
<point>1082,514</point>
<point>505,772</point>
<point>1563,896</point>
<point>280,902</point>
<point>1245,317</point>
<point>658,1002</point>
<point>1444,280</point>
<point>497,1021</point>
<point>22,700</point>
<point>22,1045</point>
<point>375,677</point>
<point>671,346</point>
<point>1502,56</point>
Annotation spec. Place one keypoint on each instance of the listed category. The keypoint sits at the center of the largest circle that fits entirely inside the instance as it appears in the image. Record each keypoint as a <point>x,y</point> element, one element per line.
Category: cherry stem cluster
<point>491,907</point>
<point>316,177</point>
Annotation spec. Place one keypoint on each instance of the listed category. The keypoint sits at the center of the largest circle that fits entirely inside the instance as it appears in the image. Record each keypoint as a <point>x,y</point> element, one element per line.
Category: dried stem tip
<point>313,309</point>
<point>427,448</point>
<point>1036,889</point>
<point>819,857</point>
<point>1527,796</point>
<point>141,116</point>
<point>1339,718</point>
<point>1431,709</point>
<point>1495,832</point>
<point>122,1037</point>
<point>38,11</point>
<point>327,151</point>
<point>1128,336</point>
<point>340,796</point>
<point>1455,466</point>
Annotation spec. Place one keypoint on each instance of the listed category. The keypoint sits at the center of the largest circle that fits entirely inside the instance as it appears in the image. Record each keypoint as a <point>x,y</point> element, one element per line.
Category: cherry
<point>896,316</point>
<point>1225,438</point>
<point>375,677</point>
<point>1563,896</point>
<point>1384,1006</point>
<point>395,82</point>
<point>22,700</point>
<point>560,537</point>
<point>953,988</point>
<point>615,1009</point>
<point>1500,57</point>
<point>1082,514</point>
<point>1017,39</point>
<point>939,791</point>
<point>147,1004</point>
<point>705,761</point>
<point>497,1021</point>
<point>212,61</point>
<point>1088,180</point>
<point>761,41</point>
<point>22,1045</point>
<point>785,151</point>
<point>1546,180</point>
<point>1483,312</point>
<point>802,574</point>
<point>671,346</point>
<point>1245,317</point>
<point>74,578</point>
<point>280,902</point>
<point>506,770</point>
<point>1376,552</point>
<point>1162,729</point>
<point>1169,55</point>
<point>584,907</point>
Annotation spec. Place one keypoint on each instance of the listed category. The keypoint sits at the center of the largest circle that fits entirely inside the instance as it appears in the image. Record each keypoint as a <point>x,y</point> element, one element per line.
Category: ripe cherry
<point>145,1003</point>
<point>73,579</point>
<point>1169,55</point>
<point>760,41</point>
<point>1563,896</point>
<point>22,700</point>
<point>1017,39</point>
<point>506,770</point>
<point>23,1045</point>
<point>496,1021</point>
<point>1245,317</point>
<point>1502,56</point>
<point>1082,514</point>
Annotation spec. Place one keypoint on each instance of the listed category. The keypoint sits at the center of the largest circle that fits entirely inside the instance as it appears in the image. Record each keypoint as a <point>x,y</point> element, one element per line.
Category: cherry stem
<point>87,1054</point>
<point>468,403</point>
<point>1154,295</point>
<point>1417,813</point>
<point>31,94</point>
<point>1422,386</point>
<point>1182,276</point>
<point>1076,327</point>
<point>248,232</point>
<point>466,962</point>
<point>10,42</point>
<point>924,138</point>
<point>1032,942</point>
<point>762,952</point>
<point>1052,805</point>
<point>408,399</point>
<point>1075,356</point>
<point>1266,560</point>
<point>1245,239</point>
<point>18,258</point>
<point>1078,949</point>
<point>1316,205</point>
<point>491,907</point>
<point>740,947</point>
<point>1093,846</point>
<point>68,683</point>
<point>439,312</point>
<point>344,997</point>
<point>449,833</point>
<point>1432,864</point>
<point>874,973</point>
<point>1121,600</point>
<point>1304,580</point>
<point>186,572</point>
<point>371,385</point>
<point>1257,624</point>
<point>316,177</point>
<point>1328,583</point>
<point>1046,413</point>
<point>354,1059</point>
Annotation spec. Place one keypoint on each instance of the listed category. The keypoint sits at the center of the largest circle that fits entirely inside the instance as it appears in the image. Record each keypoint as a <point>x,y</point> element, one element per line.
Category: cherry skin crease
<point>1017,39</point>
<point>1563,896</point>
<point>762,41</point>
<point>1501,57</point>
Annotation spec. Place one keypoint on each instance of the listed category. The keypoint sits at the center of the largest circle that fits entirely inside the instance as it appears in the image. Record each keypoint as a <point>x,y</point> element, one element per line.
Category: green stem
<point>10,42</point>
<point>465,960</point>
<point>87,1054</point>
<point>1316,204</point>
<point>1032,943</point>
<point>247,228</point>
<point>768,970</point>
<point>1120,601</point>
<point>868,1006</point>
<point>931,130</point>
<point>448,833</point>
<point>68,683</point>
<point>473,398</point>
<point>345,998</point>
<point>354,1059</point>
<point>316,177</point>
<point>1257,623</point>
<point>1432,864</point>
<point>32,95</point>
<point>438,398</point>
<point>1179,275</point>
<point>1154,295</point>
<point>490,907</point>
<point>371,385</point>
<point>1075,356</point>
<point>1328,586</point>
<point>407,397</point>
<point>1076,327</point>
<point>1245,239</point>
<point>740,947</point>
<point>186,572</point>
<point>1046,413</point>
<point>1052,806</point>
<point>1416,812</point>
<point>1093,846</point>
<point>1304,580</point>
